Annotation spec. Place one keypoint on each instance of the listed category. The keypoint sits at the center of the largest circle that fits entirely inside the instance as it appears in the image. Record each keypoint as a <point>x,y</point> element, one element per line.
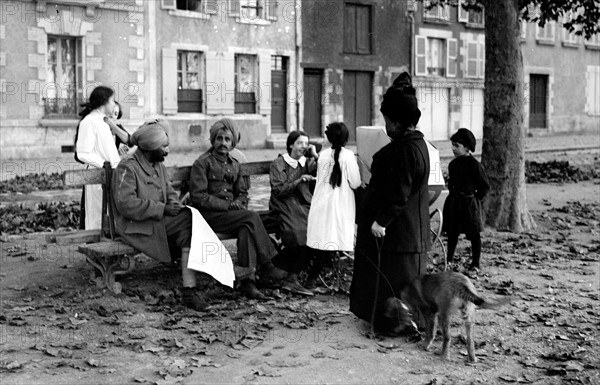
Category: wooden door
<point>278,101</point>
<point>538,99</point>
<point>313,93</point>
<point>357,100</point>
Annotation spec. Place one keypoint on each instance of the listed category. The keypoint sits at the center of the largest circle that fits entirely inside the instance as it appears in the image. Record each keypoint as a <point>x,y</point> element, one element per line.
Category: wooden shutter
<point>350,28</point>
<point>420,58</point>
<point>463,14</point>
<point>79,77</point>
<point>472,56</point>
<point>168,4</point>
<point>263,92</point>
<point>363,29</point>
<point>169,80</point>
<point>451,57</point>
<point>270,8</point>
<point>523,29</point>
<point>211,7</point>
<point>481,59</point>
<point>234,8</point>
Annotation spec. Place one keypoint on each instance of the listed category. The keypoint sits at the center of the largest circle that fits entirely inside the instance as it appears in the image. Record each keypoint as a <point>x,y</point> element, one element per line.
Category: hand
<point>312,151</point>
<point>307,178</point>
<point>377,230</point>
<point>235,205</point>
<point>123,149</point>
<point>173,208</point>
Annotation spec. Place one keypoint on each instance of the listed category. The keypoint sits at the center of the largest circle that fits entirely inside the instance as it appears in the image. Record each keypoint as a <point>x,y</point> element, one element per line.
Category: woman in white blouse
<point>94,144</point>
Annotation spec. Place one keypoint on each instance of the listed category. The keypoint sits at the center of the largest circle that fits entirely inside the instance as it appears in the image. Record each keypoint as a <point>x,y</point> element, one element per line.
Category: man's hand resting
<point>172,209</point>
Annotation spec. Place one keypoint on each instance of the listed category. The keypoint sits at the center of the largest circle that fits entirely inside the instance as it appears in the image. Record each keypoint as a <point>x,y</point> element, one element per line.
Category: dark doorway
<point>278,94</point>
<point>538,101</point>
<point>313,93</point>
<point>357,100</point>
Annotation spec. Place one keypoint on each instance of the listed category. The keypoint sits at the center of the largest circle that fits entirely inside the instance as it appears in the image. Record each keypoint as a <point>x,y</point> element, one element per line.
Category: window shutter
<point>271,9</point>
<point>168,4</point>
<point>79,77</point>
<point>263,82</point>
<point>211,7</point>
<point>420,52</point>
<point>523,29</point>
<point>350,28</point>
<point>463,14</point>
<point>482,59</point>
<point>363,30</point>
<point>169,80</point>
<point>234,8</point>
<point>451,58</point>
<point>472,48</point>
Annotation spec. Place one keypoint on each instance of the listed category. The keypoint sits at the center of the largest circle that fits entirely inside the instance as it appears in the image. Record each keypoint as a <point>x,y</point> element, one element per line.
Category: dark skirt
<point>462,214</point>
<point>397,269</point>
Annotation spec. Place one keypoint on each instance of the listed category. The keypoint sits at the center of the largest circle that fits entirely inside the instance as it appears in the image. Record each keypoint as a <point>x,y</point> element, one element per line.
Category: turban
<point>464,137</point>
<point>400,103</point>
<point>151,135</point>
<point>225,124</point>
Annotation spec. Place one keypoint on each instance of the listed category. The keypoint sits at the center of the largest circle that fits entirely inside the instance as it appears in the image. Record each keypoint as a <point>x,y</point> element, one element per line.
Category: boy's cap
<point>464,137</point>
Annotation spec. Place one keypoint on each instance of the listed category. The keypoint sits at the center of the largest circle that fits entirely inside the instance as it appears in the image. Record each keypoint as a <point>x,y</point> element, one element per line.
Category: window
<point>568,38</point>
<point>435,56</point>
<point>357,29</point>
<point>245,84</point>
<point>523,30</point>
<point>593,42</point>
<point>475,60</point>
<point>471,16</point>
<point>279,63</point>
<point>545,34</point>
<point>538,101</point>
<point>189,81</point>
<point>65,74</point>
<point>249,11</point>
<point>204,6</point>
<point>439,12</point>
<point>592,85</point>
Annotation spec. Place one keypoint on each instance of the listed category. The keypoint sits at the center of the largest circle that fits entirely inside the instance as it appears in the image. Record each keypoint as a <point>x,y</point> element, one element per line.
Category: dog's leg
<point>431,325</point>
<point>444,320</point>
<point>467,313</point>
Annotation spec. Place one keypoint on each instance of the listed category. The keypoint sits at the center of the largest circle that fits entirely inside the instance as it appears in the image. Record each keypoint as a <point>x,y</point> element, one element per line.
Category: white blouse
<point>95,143</point>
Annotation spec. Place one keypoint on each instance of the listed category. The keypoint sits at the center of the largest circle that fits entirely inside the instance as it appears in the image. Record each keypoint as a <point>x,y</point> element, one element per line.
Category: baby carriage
<point>369,139</point>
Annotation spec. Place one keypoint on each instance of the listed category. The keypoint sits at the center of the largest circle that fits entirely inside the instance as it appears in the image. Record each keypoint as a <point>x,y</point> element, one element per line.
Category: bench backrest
<point>177,175</point>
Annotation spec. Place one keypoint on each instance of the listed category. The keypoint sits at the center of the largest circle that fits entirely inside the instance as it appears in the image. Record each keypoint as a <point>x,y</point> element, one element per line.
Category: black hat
<point>400,101</point>
<point>464,137</point>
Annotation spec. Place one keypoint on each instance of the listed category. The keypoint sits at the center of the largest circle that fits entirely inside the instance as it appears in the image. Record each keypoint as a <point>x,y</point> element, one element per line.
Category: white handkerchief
<point>207,252</point>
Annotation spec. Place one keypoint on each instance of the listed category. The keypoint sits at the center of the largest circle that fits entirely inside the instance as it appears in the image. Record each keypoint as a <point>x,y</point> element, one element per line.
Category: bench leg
<point>109,268</point>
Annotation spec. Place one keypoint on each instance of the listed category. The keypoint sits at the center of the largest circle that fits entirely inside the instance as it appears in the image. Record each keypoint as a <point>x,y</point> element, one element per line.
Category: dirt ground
<point>56,327</point>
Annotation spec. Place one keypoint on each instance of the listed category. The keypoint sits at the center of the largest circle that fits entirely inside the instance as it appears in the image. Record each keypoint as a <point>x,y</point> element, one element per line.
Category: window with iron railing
<point>64,73</point>
<point>245,78</point>
<point>190,71</point>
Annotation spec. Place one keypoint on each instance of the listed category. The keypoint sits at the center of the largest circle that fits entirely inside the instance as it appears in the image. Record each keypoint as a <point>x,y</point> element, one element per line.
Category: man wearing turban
<point>148,213</point>
<point>219,192</point>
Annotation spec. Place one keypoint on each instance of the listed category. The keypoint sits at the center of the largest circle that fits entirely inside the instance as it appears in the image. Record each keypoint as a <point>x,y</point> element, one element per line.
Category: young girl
<point>468,185</point>
<point>332,211</point>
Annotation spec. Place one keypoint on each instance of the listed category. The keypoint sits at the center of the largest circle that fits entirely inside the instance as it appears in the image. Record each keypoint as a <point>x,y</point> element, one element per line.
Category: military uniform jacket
<point>140,192</point>
<point>215,182</point>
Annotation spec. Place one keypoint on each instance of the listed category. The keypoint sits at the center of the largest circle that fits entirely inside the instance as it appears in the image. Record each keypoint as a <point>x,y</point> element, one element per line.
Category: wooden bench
<point>102,248</point>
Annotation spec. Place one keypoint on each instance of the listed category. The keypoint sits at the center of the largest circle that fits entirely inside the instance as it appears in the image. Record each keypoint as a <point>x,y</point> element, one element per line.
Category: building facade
<point>351,52</point>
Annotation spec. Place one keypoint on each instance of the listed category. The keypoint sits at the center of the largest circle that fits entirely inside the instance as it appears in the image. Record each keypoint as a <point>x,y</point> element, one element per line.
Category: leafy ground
<point>57,327</point>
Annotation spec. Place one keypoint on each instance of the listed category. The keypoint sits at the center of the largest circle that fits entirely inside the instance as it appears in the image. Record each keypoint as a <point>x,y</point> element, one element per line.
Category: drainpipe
<point>411,17</point>
<point>299,78</point>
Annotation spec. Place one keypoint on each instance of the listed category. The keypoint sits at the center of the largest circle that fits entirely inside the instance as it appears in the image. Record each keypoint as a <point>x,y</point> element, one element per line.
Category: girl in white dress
<point>332,211</point>
<point>94,144</point>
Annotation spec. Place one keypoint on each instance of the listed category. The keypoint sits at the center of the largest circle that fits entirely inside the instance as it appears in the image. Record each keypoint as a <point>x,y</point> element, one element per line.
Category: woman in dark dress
<point>393,220</point>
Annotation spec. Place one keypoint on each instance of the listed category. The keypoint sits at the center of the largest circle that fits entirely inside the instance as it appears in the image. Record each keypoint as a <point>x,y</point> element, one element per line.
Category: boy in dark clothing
<point>468,185</point>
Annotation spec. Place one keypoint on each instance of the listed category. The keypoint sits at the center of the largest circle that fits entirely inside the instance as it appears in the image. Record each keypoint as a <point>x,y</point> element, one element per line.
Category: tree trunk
<point>503,154</point>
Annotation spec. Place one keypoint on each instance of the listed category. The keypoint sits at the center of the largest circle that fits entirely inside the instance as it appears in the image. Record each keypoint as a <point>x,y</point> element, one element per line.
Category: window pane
<point>192,62</point>
<point>192,81</point>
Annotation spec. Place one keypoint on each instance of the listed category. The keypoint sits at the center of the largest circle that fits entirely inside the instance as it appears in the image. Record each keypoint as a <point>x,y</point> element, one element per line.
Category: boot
<point>242,273</point>
<point>249,290</point>
<point>192,299</point>
<point>292,285</point>
<point>271,273</point>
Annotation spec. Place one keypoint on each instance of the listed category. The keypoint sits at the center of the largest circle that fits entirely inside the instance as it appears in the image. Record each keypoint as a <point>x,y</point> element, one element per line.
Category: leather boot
<point>192,299</point>
<point>249,290</point>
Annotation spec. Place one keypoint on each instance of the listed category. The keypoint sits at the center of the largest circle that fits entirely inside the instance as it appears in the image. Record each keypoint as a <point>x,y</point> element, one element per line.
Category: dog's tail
<point>468,294</point>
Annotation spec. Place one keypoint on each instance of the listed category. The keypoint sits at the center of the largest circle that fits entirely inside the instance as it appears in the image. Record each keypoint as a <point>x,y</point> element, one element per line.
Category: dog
<point>436,297</point>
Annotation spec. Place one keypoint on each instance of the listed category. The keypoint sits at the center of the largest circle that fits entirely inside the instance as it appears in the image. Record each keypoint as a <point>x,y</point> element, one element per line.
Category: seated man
<point>219,192</point>
<point>290,175</point>
<point>148,214</point>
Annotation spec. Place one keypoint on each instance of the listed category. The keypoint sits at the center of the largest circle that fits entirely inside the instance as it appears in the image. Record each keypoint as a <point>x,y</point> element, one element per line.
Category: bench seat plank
<point>106,249</point>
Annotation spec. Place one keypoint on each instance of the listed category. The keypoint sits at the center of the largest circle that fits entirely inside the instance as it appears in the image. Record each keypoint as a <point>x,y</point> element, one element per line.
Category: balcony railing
<point>60,108</point>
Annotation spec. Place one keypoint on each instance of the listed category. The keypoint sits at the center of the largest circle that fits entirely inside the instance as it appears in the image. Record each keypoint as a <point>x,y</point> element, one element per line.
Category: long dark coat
<point>140,192</point>
<point>468,185</point>
<point>398,199</point>
<point>289,200</point>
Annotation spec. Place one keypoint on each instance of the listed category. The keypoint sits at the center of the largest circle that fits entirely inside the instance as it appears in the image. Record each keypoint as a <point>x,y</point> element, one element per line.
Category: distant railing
<point>60,107</point>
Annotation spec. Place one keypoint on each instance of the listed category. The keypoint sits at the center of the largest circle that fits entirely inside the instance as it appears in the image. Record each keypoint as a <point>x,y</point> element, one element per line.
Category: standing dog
<point>437,296</point>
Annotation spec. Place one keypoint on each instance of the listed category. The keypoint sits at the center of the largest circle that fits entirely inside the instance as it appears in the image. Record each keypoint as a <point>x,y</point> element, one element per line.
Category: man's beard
<point>157,156</point>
